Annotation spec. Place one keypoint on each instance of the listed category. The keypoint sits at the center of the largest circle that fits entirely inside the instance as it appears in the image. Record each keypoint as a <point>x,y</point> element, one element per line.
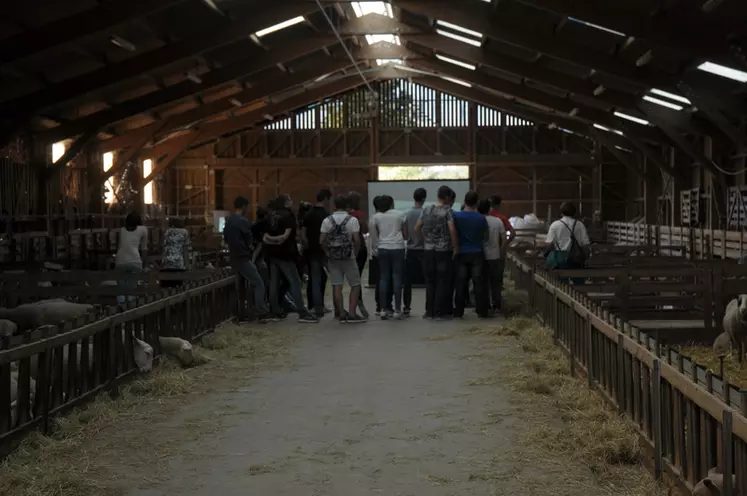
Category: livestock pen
<point>66,377</point>
<point>688,418</point>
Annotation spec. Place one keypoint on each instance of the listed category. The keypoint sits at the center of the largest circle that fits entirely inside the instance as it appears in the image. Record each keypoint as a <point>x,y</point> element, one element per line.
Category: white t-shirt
<point>386,231</point>
<point>560,233</point>
<point>352,227</point>
<point>130,244</point>
<point>497,231</point>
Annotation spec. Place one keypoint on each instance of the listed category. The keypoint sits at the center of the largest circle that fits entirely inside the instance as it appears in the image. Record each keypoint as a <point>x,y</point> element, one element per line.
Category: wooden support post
<point>656,407</point>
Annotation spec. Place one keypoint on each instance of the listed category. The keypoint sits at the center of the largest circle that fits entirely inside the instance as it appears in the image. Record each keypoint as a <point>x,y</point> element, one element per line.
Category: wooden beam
<point>511,160</point>
<point>685,28</point>
<point>478,16</point>
<point>561,105</point>
<point>187,88</point>
<point>99,19</point>
<point>622,157</point>
<point>215,130</point>
<point>259,89</point>
<point>78,145</point>
<point>25,106</point>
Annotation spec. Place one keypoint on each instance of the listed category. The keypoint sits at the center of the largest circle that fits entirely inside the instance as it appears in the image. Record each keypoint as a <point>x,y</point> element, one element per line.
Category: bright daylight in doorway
<point>422,172</point>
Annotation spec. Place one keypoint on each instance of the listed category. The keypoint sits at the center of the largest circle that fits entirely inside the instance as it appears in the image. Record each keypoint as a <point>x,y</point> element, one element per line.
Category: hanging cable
<point>344,47</point>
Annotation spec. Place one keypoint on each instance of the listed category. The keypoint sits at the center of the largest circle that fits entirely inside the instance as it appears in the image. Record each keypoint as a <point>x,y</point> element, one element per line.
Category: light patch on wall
<point>58,150</point>
<point>108,161</point>
<point>148,188</point>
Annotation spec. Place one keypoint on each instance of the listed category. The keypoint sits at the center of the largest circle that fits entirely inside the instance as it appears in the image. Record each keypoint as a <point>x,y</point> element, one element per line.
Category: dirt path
<point>380,408</point>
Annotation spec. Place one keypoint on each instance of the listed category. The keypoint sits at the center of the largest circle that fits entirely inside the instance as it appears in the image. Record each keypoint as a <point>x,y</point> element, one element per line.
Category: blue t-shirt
<point>471,227</point>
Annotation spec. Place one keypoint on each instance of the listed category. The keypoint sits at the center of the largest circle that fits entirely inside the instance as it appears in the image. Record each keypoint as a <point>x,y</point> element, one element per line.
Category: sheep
<point>178,348</point>
<point>46,312</point>
<point>7,328</point>
<point>712,485</point>
<point>735,327</point>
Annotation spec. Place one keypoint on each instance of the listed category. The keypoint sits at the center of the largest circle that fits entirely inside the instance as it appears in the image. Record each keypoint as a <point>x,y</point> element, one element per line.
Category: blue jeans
<point>290,272</point>
<point>317,283</point>
<point>471,266</point>
<point>128,268</point>
<point>392,277</point>
<point>245,268</point>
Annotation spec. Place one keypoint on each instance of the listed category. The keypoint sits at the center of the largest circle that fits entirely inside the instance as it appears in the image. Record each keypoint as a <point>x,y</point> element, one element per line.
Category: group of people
<point>449,248</point>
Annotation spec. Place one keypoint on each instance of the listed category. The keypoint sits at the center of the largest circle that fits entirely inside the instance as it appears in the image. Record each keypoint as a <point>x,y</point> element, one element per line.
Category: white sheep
<point>30,316</point>
<point>735,326</point>
<point>143,353</point>
<point>7,328</point>
<point>177,348</point>
<point>712,485</point>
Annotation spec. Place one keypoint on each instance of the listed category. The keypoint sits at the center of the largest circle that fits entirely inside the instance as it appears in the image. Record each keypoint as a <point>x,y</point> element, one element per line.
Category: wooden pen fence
<point>67,376</point>
<point>688,419</point>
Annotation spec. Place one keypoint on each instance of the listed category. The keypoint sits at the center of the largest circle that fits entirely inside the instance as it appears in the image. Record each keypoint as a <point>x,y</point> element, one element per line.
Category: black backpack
<point>575,253</point>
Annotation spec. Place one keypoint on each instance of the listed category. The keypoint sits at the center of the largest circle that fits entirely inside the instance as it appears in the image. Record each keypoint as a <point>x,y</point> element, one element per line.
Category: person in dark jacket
<point>238,236</point>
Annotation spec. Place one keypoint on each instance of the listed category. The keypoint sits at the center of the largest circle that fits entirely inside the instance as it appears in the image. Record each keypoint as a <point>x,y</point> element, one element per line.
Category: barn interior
<point>634,111</point>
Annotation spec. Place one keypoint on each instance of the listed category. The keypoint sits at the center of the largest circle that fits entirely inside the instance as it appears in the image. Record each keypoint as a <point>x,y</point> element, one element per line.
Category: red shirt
<point>503,218</point>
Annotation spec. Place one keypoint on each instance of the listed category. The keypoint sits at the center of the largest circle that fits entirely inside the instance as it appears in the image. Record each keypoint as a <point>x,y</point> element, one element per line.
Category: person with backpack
<point>341,241</point>
<point>567,242</point>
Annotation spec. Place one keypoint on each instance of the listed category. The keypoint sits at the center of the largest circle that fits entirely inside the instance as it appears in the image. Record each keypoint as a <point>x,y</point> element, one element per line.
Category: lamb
<point>7,328</point>
<point>735,327</point>
<point>712,485</point>
<point>178,348</point>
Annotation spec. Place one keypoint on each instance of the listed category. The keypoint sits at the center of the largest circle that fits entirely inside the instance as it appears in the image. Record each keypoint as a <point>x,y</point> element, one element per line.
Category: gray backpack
<point>339,244</point>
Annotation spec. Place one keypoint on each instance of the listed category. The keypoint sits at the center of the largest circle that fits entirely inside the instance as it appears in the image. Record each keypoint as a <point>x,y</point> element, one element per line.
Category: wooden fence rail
<point>689,420</point>
<point>67,375</point>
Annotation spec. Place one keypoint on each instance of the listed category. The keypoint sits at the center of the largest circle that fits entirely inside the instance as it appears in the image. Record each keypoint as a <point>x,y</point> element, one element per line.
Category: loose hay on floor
<point>568,423</point>
<point>703,355</point>
<point>76,460</point>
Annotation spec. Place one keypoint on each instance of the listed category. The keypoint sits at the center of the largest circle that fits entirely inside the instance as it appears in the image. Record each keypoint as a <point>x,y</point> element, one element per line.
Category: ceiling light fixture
<point>671,96</point>
<point>455,62</point>
<point>663,103</point>
<point>723,71</point>
<point>122,43</point>
<point>603,128</point>
<point>457,81</point>
<point>456,27</point>
<point>463,39</point>
<point>632,118</point>
<point>279,26</point>
<point>597,26</point>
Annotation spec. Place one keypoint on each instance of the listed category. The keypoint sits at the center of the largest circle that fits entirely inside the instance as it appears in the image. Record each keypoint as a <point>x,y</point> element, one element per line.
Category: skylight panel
<point>455,27</point>
<point>389,38</point>
<point>723,71</point>
<point>363,8</point>
<point>633,118</point>
<point>603,128</point>
<point>279,26</point>
<point>671,96</point>
<point>455,62</point>
<point>663,103</point>
<point>596,26</point>
<point>457,81</point>
<point>457,37</point>
<point>389,61</point>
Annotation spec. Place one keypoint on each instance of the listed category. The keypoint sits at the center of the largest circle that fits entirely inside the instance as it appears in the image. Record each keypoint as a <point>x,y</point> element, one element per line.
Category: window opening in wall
<point>58,150</point>
<point>423,172</point>
<point>148,188</point>
<point>108,162</point>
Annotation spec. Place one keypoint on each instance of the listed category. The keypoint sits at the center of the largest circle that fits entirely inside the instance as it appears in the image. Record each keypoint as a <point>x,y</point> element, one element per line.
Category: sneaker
<point>327,310</point>
<point>243,320</point>
<point>362,309</point>
<point>264,318</point>
<point>406,312</point>
<point>344,318</point>
<point>354,319</point>
<point>378,311</point>
<point>397,316</point>
<point>307,318</point>
<point>278,317</point>
<point>386,315</point>
<point>426,316</point>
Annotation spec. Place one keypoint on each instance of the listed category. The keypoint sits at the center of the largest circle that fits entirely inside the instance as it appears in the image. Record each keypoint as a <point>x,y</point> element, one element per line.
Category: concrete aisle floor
<point>381,408</point>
